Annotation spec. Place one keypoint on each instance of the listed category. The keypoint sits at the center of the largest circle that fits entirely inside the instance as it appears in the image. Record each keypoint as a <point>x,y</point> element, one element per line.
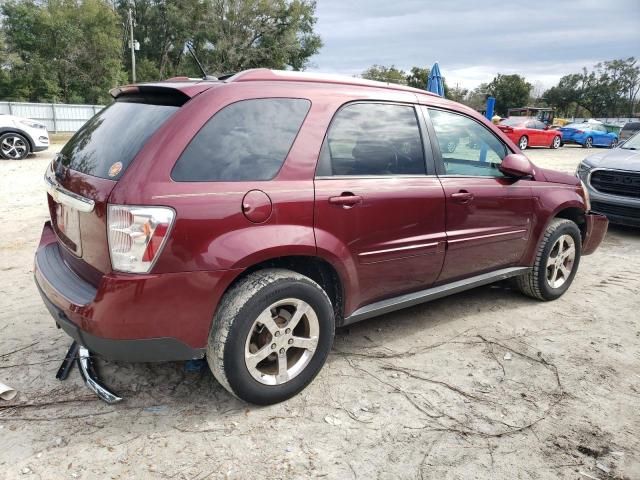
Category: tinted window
<point>116,134</point>
<point>373,139</point>
<point>631,126</point>
<point>247,140</point>
<point>513,121</point>
<point>467,147</point>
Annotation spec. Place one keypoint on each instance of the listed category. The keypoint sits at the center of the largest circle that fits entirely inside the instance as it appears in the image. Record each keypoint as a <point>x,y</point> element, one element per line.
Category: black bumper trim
<point>138,350</point>
<point>57,273</point>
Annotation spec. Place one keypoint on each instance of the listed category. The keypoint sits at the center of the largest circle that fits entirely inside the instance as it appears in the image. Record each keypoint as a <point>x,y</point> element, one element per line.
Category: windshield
<point>633,143</point>
<point>514,121</point>
<point>115,134</point>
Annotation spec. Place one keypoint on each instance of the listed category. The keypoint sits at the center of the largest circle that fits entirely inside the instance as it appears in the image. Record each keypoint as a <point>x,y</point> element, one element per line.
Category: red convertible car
<point>529,132</point>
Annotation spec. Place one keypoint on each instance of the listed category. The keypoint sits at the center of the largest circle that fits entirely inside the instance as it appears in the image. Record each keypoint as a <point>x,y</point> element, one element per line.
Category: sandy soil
<point>484,384</point>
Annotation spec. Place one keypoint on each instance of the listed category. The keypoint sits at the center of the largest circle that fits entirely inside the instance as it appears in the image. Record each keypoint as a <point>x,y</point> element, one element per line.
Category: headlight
<point>582,169</point>
<point>585,196</point>
<point>29,124</point>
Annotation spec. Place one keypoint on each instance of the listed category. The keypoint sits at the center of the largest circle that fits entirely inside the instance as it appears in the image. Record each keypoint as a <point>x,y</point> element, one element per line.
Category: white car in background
<point>20,136</point>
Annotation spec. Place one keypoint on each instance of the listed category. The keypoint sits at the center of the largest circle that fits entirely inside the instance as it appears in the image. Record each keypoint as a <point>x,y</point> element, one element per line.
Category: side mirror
<point>516,165</point>
<point>546,127</point>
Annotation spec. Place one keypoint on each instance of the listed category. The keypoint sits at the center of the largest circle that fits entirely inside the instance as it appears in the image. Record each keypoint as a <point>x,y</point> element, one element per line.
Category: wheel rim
<point>451,146</point>
<point>556,142</point>
<point>561,261</point>
<point>523,143</point>
<point>14,147</point>
<point>282,341</point>
<point>614,144</point>
<point>589,142</point>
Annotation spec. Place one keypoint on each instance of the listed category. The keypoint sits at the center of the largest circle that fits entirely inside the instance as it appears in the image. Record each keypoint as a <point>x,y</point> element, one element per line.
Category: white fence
<point>56,116</point>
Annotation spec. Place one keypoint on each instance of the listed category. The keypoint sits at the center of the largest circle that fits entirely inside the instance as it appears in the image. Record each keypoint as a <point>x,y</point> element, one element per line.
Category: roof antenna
<point>189,46</point>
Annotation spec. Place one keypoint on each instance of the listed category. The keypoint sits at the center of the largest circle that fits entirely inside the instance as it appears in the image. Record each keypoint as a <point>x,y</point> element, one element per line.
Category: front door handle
<point>346,199</point>
<point>462,196</point>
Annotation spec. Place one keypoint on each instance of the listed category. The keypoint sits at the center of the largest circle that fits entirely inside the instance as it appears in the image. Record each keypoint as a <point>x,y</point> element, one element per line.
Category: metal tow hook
<point>87,371</point>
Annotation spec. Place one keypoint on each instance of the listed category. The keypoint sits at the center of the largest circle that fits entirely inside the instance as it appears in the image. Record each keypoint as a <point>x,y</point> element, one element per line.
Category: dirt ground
<point>483,384</point>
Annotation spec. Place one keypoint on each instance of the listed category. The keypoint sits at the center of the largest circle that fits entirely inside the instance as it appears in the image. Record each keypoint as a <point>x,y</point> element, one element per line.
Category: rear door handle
<point>347,200</point>
<point>462,196</point>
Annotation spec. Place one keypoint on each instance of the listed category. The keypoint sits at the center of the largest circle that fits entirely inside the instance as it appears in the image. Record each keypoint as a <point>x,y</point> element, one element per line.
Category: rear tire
<point>588,143</point>
<point>523,143</point>
<point>267,363</point>
<point>556,263</point>
<point>14,146</point>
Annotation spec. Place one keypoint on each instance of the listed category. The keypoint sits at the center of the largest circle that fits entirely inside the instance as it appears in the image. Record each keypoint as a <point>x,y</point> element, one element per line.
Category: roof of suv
<point>192,87</point>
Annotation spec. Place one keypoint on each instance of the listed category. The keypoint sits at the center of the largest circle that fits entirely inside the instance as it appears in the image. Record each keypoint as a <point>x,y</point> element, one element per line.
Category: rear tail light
<point>137,235</point>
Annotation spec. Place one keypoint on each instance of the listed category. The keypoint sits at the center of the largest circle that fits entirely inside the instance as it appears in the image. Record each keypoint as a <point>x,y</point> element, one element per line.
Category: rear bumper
<point>163,317</point>
<point>596,229</point>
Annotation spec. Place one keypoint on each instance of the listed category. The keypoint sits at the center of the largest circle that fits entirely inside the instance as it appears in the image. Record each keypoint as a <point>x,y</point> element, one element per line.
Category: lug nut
<point>287,331</point>
<point>282,351</point>
<point>277,334</point>
<point>273,346</point>
<point>290,341</point>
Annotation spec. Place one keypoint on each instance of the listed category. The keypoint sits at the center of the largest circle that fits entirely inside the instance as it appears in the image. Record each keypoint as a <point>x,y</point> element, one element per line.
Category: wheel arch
<point>4,130</point>
<point>316,268</point>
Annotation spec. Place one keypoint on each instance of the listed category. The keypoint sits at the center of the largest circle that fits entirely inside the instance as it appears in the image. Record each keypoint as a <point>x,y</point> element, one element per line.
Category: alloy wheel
<point>561,260</point>
<point>14,147</point>
<point>523,143</point>
<point>588,143</point>
<point>556,142</point>
<point>281,341</point>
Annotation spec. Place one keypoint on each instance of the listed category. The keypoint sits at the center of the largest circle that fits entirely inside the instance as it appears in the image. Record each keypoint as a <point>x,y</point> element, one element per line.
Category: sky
<point>473,40</point>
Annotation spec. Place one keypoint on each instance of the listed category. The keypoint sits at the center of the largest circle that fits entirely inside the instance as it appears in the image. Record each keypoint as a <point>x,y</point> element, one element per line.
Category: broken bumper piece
<point>82,357</point>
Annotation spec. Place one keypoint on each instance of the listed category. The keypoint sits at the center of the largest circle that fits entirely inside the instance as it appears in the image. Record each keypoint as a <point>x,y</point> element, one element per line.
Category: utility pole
<point>132,46</point>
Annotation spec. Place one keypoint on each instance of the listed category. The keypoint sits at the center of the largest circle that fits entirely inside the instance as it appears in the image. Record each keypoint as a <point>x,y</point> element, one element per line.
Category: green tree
<point>61,50</point>
<point>227,35</point>
<point>510,91</point>
<point>381,73</point>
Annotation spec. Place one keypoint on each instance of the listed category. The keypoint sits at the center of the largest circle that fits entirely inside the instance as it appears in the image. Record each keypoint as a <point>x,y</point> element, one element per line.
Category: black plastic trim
<point>410,299</point>
<point>58,274</point>
<point>163,349</point>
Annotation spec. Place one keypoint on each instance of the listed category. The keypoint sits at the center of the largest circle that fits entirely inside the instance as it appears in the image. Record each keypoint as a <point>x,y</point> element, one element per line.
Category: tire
<point>14,146</point>
<point>536,283</point>
<point>523,143</point>
<point>556,143</point>
<point>237,335</point>
<point>451,146</point>
<point>614,143</point>
<point>588,143</point>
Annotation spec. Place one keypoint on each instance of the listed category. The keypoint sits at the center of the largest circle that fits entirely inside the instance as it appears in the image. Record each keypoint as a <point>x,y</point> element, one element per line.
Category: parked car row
<point>530,132</point>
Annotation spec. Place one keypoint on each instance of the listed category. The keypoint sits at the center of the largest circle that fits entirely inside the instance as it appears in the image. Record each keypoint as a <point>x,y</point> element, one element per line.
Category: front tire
<point>556,263</point>
<point>523,143</point>
<point>614,143</point>
<point>270,336</point>
<point>556,143</point>
<point>14,146</point>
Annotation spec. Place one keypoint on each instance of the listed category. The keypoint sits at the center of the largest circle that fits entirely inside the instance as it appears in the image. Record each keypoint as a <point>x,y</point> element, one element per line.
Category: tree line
<point>74,51</point>
<point>610,89</point>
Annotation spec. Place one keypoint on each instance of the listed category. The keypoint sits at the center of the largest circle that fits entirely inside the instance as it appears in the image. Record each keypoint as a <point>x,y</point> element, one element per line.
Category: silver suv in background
<point>612,178</point>
<point>21,136</point>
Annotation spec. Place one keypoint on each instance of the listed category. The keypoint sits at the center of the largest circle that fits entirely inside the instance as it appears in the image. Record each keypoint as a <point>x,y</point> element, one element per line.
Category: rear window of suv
<point>247,140</point>
<point>115,134</point>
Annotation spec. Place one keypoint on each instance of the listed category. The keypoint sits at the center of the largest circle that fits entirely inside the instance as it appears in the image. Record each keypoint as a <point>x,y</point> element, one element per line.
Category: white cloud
<point>473,40</point>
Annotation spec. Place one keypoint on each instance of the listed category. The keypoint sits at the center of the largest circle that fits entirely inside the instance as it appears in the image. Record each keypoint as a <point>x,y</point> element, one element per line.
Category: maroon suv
<point>246,219</point>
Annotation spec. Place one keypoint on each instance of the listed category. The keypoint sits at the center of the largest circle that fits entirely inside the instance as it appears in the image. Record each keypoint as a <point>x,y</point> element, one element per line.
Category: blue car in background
<point>588,135</point>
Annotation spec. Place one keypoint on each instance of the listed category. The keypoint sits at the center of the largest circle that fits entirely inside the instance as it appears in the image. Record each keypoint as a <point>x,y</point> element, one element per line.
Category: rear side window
<point>373,139</point>
<point>115,135</point>
<point>247,140</point>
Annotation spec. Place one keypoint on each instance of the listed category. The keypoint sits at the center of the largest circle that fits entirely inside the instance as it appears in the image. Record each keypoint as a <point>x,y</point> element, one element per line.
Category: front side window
<point>373,139</point>
<point>247,140</point>
<point>467,147</point>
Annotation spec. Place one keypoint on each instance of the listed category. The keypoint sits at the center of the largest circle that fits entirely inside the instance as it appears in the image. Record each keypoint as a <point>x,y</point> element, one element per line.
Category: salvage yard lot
<point>483,384</point>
